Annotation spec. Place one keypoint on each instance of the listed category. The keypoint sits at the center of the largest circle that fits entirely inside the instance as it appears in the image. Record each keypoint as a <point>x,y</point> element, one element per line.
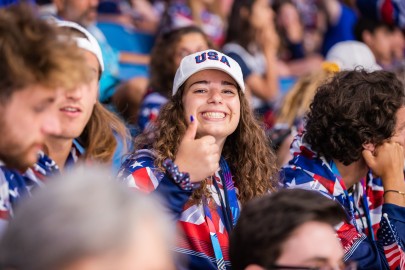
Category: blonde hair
<point>296,102</point>
<point>99,137</point>
<point>101,132</point>
<point>31,53</point>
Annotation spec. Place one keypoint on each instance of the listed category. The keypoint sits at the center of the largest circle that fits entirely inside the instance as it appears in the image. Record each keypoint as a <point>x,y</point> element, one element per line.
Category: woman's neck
<point>220,143</point>
<point>58,150</point>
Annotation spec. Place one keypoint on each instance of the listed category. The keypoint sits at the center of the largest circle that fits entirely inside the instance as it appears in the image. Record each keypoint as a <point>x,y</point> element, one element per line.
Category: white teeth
<point>216,115</point>
<point>70,109</point>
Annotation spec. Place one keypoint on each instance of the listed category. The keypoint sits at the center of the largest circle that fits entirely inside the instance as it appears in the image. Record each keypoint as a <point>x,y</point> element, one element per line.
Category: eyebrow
<point>317,259</point>
<point>207,82</point>
<point>46,101</point>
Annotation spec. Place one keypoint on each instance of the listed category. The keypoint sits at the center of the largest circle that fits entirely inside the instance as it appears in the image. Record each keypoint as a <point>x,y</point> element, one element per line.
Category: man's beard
<point>17,161</point>
<point>83,19</point>
<point>11,152</point>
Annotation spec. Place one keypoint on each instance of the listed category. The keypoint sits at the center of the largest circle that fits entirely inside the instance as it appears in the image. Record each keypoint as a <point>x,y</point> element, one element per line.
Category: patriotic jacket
<point>374,235</point>
<point>14,185</point>
<point>205,225</point>
<point>150,108</point>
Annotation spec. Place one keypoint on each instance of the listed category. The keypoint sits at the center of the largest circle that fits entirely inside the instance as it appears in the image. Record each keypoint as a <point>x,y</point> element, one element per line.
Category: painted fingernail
<point>191,118</point>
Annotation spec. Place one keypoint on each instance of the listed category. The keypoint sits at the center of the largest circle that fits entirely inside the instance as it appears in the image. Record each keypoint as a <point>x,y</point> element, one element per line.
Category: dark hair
<point>239,29</point>
<point>267,222</point>
<point>277,4</point>
<point>162,66</point>
<point>354,108</point>
<point>366,24</point>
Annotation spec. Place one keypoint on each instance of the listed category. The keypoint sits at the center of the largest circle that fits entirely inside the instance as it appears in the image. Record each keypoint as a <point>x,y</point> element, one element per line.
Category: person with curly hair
<point>352,151</point>
<point>200,154</point>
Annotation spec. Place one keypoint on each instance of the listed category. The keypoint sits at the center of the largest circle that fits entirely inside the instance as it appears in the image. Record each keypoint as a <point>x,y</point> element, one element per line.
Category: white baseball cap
<point>208,59</point>
<point>349,55</point>
<point>88,43</point>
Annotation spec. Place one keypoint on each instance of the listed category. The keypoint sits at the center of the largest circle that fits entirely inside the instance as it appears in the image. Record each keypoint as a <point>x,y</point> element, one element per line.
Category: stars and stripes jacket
<point>15,185</point>
<point>374,234</point>
<point>196,241</point>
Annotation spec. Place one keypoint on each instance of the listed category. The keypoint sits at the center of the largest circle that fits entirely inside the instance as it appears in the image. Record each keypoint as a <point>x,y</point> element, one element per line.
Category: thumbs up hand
<point>199,157</point>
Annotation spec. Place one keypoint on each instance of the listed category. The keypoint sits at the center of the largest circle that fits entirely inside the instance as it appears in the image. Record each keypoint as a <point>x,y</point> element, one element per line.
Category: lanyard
<point>229,208</point>
<point>226,212</point>
<point>214,238</point>
<point>350,202</point>
<point>230,195</point>
<point>367,211</point>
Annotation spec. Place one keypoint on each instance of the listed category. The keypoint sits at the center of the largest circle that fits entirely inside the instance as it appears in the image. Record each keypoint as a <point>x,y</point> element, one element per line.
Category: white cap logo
<point>209,59</point>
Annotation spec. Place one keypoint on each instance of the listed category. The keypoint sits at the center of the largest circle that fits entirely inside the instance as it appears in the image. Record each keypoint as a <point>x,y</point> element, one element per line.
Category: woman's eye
<point>39,109</point>
<point>228,91</point>
<point>200,91</point>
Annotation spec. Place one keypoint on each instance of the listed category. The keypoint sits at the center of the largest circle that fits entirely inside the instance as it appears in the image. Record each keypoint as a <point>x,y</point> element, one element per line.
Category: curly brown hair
<point>354,108</point>
<point>162,65</point>
<point>246,150</point>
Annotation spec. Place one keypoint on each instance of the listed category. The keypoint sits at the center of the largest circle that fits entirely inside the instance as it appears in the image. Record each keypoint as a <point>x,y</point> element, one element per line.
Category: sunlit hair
<point>162,64</point>
<point>296,102</point>
<point>31,54</point>
<point>99,137</point>
<point>246,150</point>
<point>100,134</point>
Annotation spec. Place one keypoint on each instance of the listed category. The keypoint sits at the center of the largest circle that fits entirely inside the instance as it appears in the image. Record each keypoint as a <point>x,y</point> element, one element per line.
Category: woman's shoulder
<point>139,159</point>
<point>235,48</point>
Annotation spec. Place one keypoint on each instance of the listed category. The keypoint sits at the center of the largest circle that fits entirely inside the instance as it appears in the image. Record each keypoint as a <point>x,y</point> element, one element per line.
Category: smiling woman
<point>199,157</point>
<point>214,103</point>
